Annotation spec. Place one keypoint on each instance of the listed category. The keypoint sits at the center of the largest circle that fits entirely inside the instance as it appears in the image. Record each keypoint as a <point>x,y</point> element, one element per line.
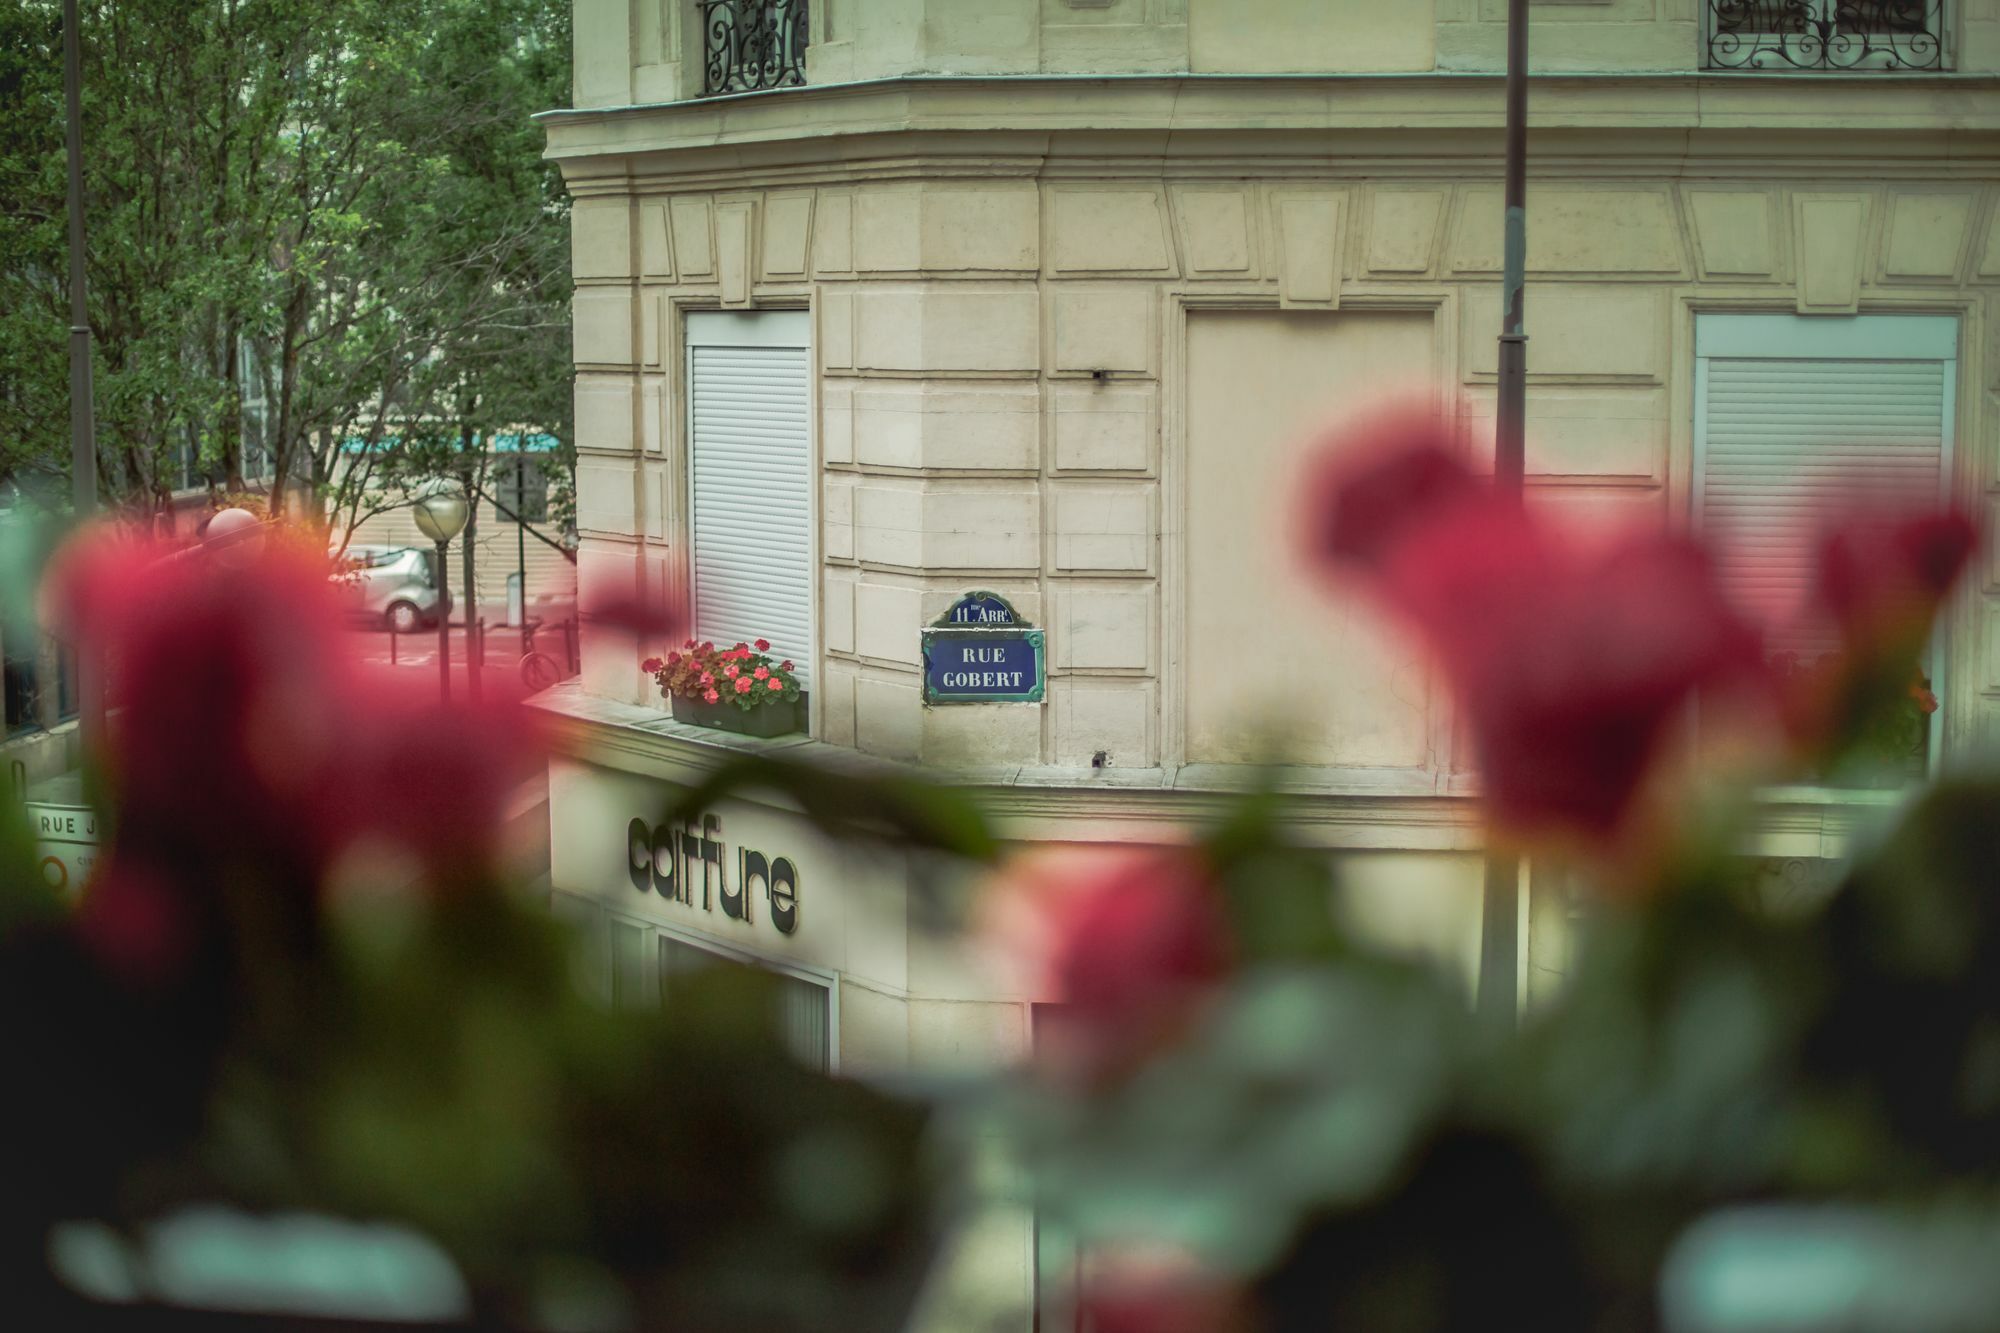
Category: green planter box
<point>765,720</point>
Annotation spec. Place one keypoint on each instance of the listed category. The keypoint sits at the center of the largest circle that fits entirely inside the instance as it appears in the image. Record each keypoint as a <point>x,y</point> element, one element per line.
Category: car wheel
<point>404,617</point>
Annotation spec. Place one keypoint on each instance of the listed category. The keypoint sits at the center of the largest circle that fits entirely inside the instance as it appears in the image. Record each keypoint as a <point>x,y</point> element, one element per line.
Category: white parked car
<point>393,586</point>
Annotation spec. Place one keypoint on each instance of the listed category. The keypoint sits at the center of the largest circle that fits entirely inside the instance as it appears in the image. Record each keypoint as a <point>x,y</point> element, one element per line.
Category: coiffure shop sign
<point>692,865</point>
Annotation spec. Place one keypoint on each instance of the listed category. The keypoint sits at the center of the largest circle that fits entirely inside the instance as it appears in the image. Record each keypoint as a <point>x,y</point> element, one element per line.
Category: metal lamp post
<point>441,511</point>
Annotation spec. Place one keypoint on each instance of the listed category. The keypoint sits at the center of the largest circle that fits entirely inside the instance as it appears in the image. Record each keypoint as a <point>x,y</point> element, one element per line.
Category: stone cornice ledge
<point>1180,112</point>
<point>1328,808</point>
<point>1029,802</point>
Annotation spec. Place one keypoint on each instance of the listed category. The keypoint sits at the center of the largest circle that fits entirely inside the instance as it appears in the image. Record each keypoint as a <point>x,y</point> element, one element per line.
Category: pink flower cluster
<point>744,675</point>
<point>1574,660</point>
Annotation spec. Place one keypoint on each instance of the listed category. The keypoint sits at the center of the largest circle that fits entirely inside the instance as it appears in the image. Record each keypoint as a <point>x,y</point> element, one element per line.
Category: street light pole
<point>1500,943</point>
<point>440,510</point>
<point>444,621</point>
<point>82,421</point>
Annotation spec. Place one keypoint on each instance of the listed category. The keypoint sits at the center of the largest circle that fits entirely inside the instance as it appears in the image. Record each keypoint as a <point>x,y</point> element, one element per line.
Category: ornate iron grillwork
<point>750,45</point>
<point>1771,35</point>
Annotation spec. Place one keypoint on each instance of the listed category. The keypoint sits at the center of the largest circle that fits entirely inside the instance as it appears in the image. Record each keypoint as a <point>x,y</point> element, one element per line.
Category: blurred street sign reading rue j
<point>65,842</point>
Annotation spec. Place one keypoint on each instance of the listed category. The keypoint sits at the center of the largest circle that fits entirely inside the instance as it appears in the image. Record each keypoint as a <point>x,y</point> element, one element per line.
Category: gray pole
<point>444,621</point>
<point>1500,943</point>
<point>82,424</point>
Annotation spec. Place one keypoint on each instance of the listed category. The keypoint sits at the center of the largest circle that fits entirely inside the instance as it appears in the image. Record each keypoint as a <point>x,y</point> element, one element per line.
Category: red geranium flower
<point>731,670</point>
<point>779,685</point>
<point>651,665</point>
<point>785,665</point>
<point>742,684</point>
<point>710,696</point>
<point>763,645</point>
<point>761,673</point>
<point>707,678</point>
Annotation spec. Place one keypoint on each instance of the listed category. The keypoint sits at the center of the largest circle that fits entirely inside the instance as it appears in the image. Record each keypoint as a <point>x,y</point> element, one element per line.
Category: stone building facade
<point>1076,278</point>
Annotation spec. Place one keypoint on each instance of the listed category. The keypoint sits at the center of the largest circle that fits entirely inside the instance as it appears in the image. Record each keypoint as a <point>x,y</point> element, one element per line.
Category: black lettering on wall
<point>711,861</point>
<point>638,853</point>
<point>784,895</point>
<point>750,866</point>
<point>665,877</point>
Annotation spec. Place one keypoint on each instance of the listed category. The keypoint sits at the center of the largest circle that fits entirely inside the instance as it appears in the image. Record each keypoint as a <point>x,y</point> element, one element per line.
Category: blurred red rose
<point>1157,1291</point>
<point>1572,660</point>
<point>1129,941</point>
<point>245,744</point>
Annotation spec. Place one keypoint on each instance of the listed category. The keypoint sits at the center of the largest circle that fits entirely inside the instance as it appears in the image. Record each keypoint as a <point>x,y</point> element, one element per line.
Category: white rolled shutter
<point>1790,444</point>
<point>750,481</point>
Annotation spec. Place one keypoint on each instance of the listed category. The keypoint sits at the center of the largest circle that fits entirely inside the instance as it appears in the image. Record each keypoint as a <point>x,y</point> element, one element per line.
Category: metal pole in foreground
<point>444,623</point>
<point>82,421</point>
<point>1499,939</point>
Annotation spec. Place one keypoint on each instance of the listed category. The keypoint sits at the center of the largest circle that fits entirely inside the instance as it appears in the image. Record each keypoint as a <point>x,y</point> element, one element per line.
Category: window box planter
<point>708,686</point>
<point>765,720</point>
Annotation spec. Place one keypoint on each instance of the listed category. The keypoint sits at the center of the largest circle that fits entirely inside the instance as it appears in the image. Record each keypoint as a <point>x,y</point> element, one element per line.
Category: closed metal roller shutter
<point>1790,445</point>
<point>750,487</point>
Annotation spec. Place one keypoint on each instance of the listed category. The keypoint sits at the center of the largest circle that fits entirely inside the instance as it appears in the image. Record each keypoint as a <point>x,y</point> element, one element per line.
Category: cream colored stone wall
<point>1003,387</point>
<point>645,51</point>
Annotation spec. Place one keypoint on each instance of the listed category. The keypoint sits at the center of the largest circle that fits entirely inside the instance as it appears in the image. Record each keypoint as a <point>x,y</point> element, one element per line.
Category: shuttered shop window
<point>1804,422</point>
<point>750,480</point>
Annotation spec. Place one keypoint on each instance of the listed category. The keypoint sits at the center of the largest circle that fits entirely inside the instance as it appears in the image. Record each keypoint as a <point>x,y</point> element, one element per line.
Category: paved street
<point>504,649</point>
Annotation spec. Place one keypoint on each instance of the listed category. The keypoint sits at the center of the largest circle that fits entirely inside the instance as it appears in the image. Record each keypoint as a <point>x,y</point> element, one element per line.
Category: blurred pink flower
<point>246,744</point>
<point>1129,941</point>
<point>1572,661</point>
<point>1157,1291</point>
<point>742,683</point>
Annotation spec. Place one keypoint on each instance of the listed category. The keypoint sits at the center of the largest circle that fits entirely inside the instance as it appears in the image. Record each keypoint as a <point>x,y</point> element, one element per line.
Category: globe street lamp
<point>441,511</point>
<point>235,535</point>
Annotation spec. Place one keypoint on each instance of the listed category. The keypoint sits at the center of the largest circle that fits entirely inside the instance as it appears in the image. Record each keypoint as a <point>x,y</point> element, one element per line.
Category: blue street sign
<point>982,666</point>
<point>980,608</point>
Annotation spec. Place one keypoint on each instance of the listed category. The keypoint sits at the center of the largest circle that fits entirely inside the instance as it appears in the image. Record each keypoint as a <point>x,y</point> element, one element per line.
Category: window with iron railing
<point>1767,36</point>
<point>751,45</point>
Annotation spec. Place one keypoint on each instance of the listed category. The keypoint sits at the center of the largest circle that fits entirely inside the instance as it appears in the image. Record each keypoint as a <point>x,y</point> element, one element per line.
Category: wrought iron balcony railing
<point>751,45</point>
<point>1771,35</point>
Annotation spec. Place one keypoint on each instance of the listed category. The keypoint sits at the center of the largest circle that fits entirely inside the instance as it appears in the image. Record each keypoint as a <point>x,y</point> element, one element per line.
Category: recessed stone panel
<point>1403,229</point>
<point>1828,232</point>
<point>1216,232</point>
<point>1103,328</point>
<point>833,694</point>
<point>833,233</point>
<point>929,425</point>
<point>836,421</point>
<point>1582,432</point>
<point>733,222</point>
<point>1103,427</point>
<point>1102,526</point>
<point>887,721</point>
<point>1109,231</point>
<point>787,233</point>
<point>886,624</point>
<point>600,238</point>
<point>1989,259</point>
<point>1734,236</point>
<point>653,399</point>
<point>889,523</point>
<point>1583,333</point>
<point>988,228</point>
<point>1572,230</point>
<point>1926,235</point>
<point>984,736</point>
<point>604,497</point>
<point>656,246</point>
<point>948,327</point>
<point>836,327</point>
<point>694,246</point>
<point>837,515</point>
<point>1310,235</point>
<point>1102,628</point>
<point>836,614</point>
<point>1114,718</point>
<point>604,413</point>
<point>973,526</point>
<point>601,326</point>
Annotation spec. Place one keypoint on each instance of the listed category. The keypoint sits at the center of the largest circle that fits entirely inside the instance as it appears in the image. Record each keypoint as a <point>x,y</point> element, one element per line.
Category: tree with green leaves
<point>338,213</point>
